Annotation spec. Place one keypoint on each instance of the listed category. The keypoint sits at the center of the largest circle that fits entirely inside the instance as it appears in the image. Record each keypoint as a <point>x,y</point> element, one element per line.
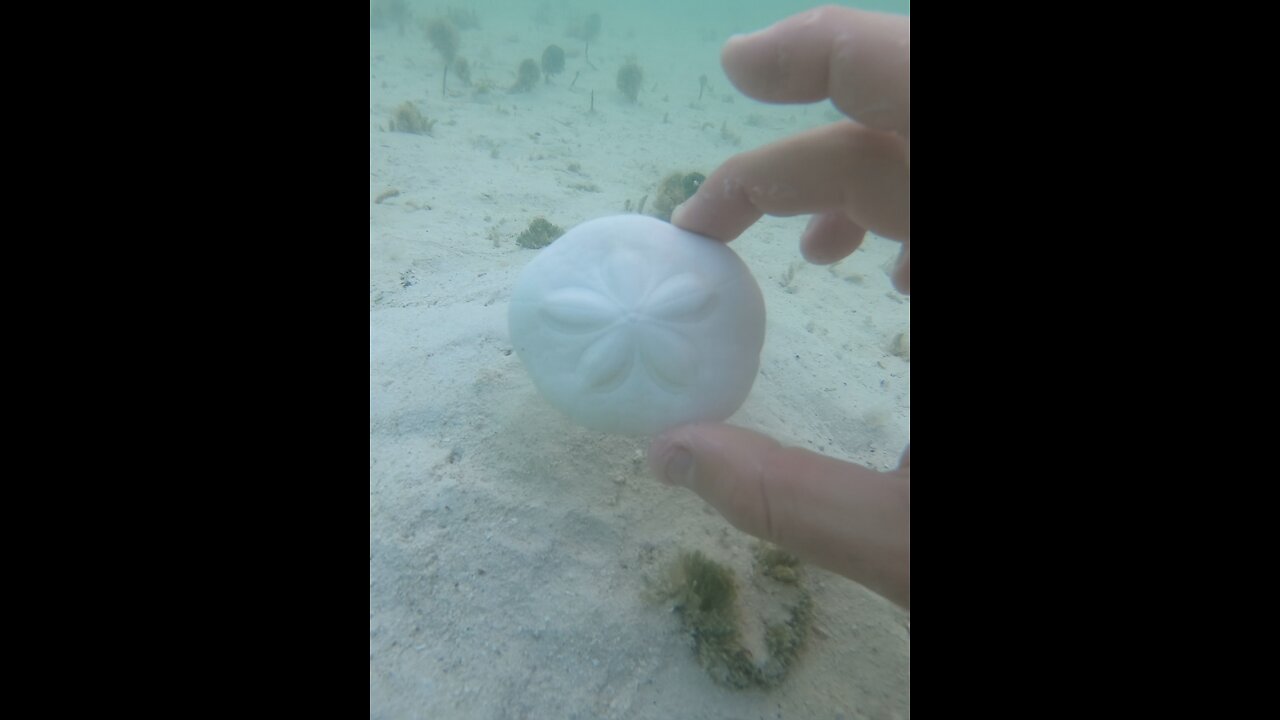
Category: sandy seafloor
<point>509,550</point>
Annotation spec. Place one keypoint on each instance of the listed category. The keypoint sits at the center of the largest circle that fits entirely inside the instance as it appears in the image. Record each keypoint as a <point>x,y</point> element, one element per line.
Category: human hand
<point>852,176</point>
<point>834,514</point>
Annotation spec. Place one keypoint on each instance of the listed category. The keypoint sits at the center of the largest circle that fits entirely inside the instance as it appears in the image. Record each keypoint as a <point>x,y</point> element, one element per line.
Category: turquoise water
<point>513,554</point>
<point>659,15</point>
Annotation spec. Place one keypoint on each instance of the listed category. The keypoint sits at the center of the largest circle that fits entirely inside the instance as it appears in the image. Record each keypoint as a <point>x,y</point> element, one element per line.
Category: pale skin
<point>852,177</point>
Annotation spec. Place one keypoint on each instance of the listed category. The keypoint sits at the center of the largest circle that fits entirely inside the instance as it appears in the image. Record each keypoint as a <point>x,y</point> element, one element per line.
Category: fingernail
<point>739,37</point>
<point>678,213</point>
<point>679,468</point>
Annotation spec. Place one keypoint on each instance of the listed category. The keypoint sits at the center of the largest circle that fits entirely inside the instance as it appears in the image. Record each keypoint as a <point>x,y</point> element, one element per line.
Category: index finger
<point>844,166</point>
<point>861,60</point>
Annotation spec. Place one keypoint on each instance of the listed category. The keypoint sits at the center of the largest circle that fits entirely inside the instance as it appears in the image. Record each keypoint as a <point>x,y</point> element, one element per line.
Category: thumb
<point>841,516</point>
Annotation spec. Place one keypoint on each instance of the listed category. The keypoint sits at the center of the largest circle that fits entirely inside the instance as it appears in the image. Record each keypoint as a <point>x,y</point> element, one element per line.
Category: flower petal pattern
<point>607,362</point>
<point>578,310</point>
<point>669,357</point>
<point>636,325</point>
<point>680,297</point>
<point>627,276</point>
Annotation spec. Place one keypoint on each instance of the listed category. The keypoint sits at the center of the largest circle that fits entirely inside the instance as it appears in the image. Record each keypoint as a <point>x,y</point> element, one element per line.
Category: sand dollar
<point>631,325</point>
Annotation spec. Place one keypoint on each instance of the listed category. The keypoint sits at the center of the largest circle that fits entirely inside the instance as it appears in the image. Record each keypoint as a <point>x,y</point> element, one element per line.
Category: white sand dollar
<point>631,325</point>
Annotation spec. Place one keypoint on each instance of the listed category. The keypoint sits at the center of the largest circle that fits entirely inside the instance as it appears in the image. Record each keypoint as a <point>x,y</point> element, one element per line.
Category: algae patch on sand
<point>707,597</point>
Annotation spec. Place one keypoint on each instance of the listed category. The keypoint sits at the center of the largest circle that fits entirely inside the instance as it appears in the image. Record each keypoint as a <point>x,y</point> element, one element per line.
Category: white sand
<point>509,549</point>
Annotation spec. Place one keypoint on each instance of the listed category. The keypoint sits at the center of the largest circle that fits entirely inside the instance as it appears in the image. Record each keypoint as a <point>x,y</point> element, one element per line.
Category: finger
<point>837,167</point>
<point>902,270</point>
<point>830,236</point>
<point>861,60</point>
<point>838,515</point>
